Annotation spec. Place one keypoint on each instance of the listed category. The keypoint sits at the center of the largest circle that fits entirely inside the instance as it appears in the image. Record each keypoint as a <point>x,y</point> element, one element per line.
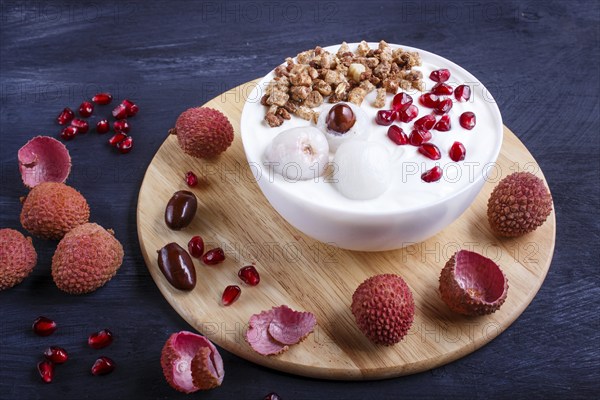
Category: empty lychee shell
<point>258,336</point>
<point>190,362</point>
<point>472,284</point>
<point>43,159</point>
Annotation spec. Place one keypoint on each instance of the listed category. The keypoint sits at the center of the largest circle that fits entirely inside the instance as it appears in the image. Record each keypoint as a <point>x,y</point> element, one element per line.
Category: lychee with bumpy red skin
<point>384,308</point>
<point>190,362</point>
<point>85,259</point>
<point>203,132</point>
<point>519,204</point>
<point>17,258</point>
<point>472,284</point>
<point>52,209</point>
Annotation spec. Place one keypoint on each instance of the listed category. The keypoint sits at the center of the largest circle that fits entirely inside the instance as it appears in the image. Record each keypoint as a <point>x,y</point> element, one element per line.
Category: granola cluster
<point>316,75</point>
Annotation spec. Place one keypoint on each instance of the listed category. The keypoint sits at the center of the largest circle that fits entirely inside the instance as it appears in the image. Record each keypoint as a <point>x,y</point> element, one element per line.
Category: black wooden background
<point>540,59</point>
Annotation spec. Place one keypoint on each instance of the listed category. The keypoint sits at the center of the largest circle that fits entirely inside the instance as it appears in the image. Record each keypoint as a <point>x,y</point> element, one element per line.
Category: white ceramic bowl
<point>411,210</point>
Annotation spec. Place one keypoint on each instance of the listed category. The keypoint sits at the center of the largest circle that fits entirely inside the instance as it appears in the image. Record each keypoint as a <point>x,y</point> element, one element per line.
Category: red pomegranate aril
<point>65,116</point>
<point>81,125</point>
<point>409,114</point>
<point>457,152</point>
<point>401,101</point>
<point>46,370</point>
<point>102,98</point>
<point>213,256</point>
<point>43,326</point>
<point>385,117</point>
<point>418,137</point>
<point>191,179</point>
<point>462,93</point>
<point>121,126</point>
<point>102,366</point>
<point>442,89</point>
<point>120,111</point>
<point>116,139</point>
<point>440,75</point>
<point>443,125</point>
<point>397,135</point>
<point>196,246</point>
<point>68,133</point>
<point>86,109</point>
<point>433,175</point>
<point>230,295</point>
<point>272,396</point>
<point>102,126</point>
<point>430,150</point>
<point>249,275</point>
<point>131,107</point>
<point>429,100</point>
<point>126,145</point>
<point>467,120</point>
<point>425,123</point>
<point>56,354</point>
<point>100,339</point>
<point>443,107</point>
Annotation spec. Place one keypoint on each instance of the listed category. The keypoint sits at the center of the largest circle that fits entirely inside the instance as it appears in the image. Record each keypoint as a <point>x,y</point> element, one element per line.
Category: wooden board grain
<point>308,275</point>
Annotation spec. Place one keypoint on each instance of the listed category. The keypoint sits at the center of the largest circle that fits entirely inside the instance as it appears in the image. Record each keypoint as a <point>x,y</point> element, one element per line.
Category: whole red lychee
<point>190,362</point>
<point>519,204</point>
<point>472,284</point>
<point>203,132</point>
<point>17,258</point>
<point>384,308</point>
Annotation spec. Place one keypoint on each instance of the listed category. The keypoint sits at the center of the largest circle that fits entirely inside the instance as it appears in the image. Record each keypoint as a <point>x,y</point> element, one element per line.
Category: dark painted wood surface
<point>540,59</point>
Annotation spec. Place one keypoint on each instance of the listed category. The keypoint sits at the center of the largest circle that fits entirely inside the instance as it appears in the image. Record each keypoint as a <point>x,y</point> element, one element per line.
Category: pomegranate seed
<point>126,145</point>
<point>81,125</point>
<point>116,139</point>
<point>196,246</point>
<point>102,126</point>
<point>430,150</point>
<point>213,256</point>
<point>68,133</point>
<point>385,117</point>
<point>191,179</point>
<point>272,396</point>
<point>443,107</point>
<point>120,111</point>
<point>433,175</point>
<point>131,108</point>
<point>121,126</point>
<point>100,339</point>
<point>231,294</point>
<point>429,100</point>
<point>467,120</point>
<point>56,354</point>
<point>462,93</point>
<point>65,116</point>
<point>442,89</point>
<point>397,135</point>
<point>249,275</point>
<point>443,125</point>
<point>457,152</point>
<point>43,326</point>
<point>46,370</point>
<point>425,123</point>
<point>418,137</point>
<point>86,109</point>
<point>401,101</point>
<point>409,114</point>
<point>102,366</point>
<point>440,75</point>
<point>102,98</point>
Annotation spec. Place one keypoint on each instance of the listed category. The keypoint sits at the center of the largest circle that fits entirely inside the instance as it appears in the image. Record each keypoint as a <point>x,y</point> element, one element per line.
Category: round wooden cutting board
<point>308,275</point>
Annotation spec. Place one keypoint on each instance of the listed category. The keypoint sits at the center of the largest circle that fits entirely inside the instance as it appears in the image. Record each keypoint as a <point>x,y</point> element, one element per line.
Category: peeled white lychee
<point>359,130</point>
<point>362,170</point>
<point>298,153</point>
